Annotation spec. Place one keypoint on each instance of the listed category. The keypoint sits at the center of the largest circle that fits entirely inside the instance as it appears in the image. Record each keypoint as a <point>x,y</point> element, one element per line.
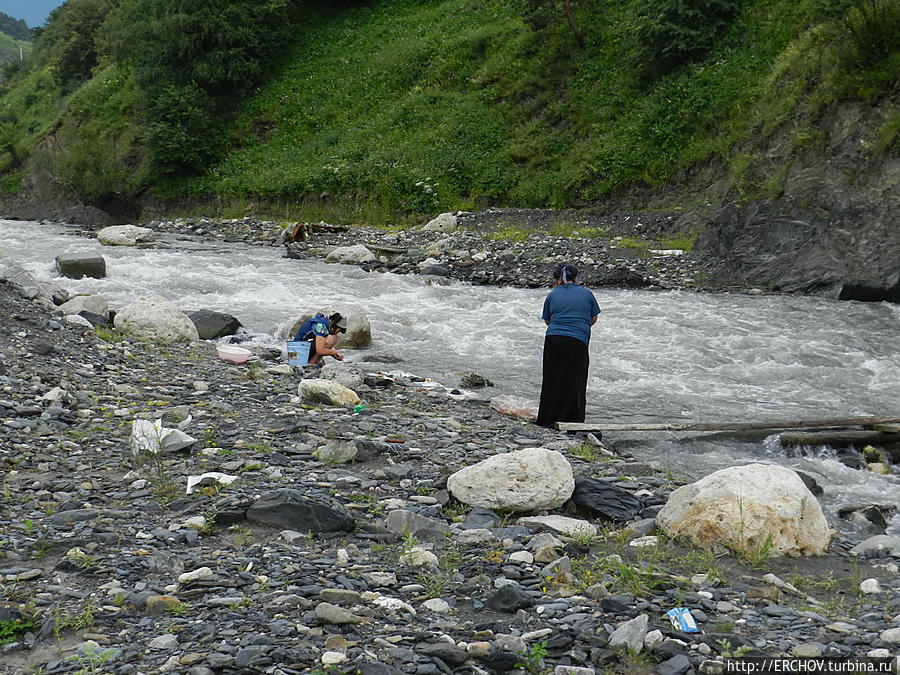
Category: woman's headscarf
<point>566,272</point>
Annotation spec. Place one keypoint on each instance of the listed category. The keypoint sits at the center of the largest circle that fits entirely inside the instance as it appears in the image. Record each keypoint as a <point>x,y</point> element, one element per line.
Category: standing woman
<point>569,312</point>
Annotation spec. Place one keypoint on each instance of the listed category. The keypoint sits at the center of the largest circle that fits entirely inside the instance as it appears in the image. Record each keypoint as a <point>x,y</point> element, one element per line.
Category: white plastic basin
<point>232,353</point>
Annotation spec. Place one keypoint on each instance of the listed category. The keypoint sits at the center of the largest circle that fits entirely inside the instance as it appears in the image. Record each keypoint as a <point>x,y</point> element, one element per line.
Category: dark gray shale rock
<point>79,266</point>
<point>111,567</point>
<point>289,509</point>
<point>211,325</point>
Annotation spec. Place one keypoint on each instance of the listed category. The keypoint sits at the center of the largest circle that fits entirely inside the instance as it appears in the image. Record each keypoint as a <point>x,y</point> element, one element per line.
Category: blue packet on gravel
<point>683,620</point>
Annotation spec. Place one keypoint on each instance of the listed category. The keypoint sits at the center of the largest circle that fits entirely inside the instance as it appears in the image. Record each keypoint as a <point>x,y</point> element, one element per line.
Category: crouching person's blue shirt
<point>569,308</point>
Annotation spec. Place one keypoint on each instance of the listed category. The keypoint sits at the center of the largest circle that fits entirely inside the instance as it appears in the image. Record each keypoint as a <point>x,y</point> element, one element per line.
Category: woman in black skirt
<point>569,312</point>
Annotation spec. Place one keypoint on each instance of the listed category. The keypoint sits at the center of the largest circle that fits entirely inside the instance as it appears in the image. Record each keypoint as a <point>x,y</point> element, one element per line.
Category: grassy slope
<point>9,48</point>
<point>403,108</point>
<point>463,98</point>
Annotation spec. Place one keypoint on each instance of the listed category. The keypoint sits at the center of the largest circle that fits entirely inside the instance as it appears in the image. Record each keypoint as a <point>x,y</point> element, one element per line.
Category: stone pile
<point>304,534</point>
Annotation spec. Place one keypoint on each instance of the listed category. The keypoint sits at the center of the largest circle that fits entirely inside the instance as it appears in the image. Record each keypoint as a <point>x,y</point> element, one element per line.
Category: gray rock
<point>630,634</point>
<point>290,509</point>
<point>879,545</point>
<point>212,325</point>
<point>403,521</point>
<point>676,665</point>
<point>332,614</point>
<point>509,599</point>
<point>448,653</point>
<point>76,266</point>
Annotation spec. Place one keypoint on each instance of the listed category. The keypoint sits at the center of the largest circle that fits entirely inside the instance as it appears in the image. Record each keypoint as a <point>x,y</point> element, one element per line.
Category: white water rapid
<point>655,356</point>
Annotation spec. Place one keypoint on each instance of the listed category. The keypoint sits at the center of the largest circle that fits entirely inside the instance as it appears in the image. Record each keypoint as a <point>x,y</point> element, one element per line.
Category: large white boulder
<point>326,391</point>
<point>350,255</point>
<point>359,330</point>
<point>524,480</point>
<point>446,222</point>
<point>155,319</point>
<point>748,508</point>
<point>124,235</point>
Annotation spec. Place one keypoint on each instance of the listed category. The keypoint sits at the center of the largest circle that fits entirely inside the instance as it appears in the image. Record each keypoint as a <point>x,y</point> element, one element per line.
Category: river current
<point>673,356</point>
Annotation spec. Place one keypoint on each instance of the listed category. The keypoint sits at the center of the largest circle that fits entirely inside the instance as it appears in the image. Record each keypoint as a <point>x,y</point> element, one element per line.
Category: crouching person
<point>321,332</point>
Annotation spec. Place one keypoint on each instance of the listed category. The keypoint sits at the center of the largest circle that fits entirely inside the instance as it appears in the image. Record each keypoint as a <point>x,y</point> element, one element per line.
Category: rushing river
<point>655,356</point>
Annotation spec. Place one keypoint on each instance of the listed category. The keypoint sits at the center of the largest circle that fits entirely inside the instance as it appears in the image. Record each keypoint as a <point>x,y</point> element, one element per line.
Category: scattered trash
<point>683,620</point>
<point>153,437</point>
<point>359,408</point>
<point>517,406</point>
<point>210,478</point>
<point>233,354</point>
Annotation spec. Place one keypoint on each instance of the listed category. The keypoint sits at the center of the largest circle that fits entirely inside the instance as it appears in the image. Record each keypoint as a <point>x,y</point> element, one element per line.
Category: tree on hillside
<point>16,28</point>
<point>193,59</point>
<point>539,11</point>
<point>69,41</point>
<point>673,32</point>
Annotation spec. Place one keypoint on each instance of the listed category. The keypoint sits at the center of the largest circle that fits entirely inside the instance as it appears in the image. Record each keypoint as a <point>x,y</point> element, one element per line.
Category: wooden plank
<point>728,426</point>
<point>383,248</point>
<point>887,428</point>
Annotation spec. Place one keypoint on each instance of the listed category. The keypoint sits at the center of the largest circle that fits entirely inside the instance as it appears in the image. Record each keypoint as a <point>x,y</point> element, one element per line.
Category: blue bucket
<point>298,353</point>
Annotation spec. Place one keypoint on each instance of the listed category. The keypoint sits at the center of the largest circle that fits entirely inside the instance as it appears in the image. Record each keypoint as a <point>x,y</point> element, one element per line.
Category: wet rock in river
<point>76,266</point>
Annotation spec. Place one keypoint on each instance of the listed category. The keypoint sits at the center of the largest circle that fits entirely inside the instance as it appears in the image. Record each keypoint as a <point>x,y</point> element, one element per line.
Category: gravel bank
<point>108,565</point>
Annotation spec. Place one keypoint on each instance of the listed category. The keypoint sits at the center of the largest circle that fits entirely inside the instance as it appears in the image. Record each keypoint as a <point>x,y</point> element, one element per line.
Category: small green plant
<point>726,651</point>
<point>12,629</point>
<point>582,538</point>
<point>242,534</point>
<point>81,559</point>
<point>92,658</point>
<point>756,557</point>
<point>534,659</point>
<point>109,335</point>
<point>151,463</point>
<point>435,585</point>
<point>410,541</point>
<point>209,438</point>
<point>588,452</point>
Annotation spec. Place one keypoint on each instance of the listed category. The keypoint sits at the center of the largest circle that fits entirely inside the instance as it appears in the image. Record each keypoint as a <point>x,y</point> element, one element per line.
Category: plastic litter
<point>517,406</point>
<point>210,478</point>
<point>682,619</point>
<point>153,437</point>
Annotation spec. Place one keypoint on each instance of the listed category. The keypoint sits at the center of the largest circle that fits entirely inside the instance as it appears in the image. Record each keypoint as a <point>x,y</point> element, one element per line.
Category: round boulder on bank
<point>748,508</point>
<point>526,480</point>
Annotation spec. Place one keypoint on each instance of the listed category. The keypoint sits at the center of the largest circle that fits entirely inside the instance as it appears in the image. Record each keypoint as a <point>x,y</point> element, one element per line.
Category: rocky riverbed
<point>287,558</point>
<point>502,247</point>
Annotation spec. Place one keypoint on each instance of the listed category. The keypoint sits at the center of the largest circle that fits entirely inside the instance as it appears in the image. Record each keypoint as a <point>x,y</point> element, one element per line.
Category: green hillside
<point>379,111</point>
<point>12,50</point>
